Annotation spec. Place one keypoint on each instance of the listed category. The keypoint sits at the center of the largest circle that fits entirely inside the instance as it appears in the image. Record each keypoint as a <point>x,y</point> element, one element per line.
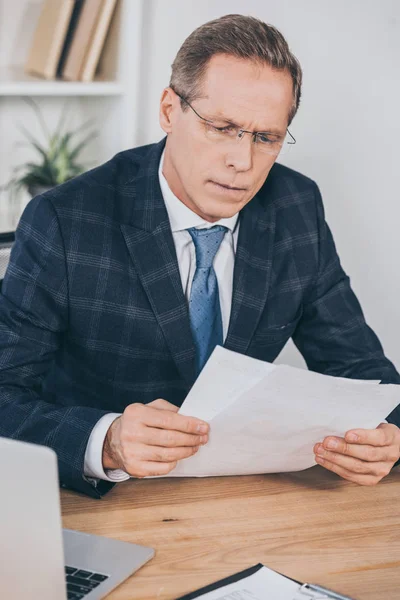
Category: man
<point>122,281</point>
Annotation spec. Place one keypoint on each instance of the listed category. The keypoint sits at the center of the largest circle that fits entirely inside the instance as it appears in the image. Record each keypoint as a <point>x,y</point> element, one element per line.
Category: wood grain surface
<point>310,525</point>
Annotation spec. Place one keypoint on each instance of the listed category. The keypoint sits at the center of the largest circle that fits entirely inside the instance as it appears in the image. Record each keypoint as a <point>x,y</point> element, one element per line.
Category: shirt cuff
<point>93,466</point>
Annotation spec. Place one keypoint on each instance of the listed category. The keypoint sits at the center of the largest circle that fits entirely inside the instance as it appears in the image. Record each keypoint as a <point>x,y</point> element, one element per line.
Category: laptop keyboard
<point>80,582</point>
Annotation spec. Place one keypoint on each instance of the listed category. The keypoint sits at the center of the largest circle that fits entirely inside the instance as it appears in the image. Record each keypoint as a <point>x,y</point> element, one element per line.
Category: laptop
<point>39,560</point>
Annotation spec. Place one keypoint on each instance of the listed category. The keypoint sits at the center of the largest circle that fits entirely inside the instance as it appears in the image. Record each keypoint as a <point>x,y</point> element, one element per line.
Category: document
<point>258,586</point>
<point>260,582</point>
<point>266,418</point>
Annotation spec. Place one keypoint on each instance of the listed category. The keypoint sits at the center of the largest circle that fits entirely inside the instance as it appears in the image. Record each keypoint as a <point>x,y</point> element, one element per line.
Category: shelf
<point>14,82</point>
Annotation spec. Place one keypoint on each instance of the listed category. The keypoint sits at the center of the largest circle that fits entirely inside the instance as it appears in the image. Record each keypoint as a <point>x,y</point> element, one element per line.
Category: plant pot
<point>35,190</point>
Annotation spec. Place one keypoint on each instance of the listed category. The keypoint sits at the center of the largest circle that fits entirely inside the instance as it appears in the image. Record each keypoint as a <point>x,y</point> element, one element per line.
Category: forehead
<point>249,93</point>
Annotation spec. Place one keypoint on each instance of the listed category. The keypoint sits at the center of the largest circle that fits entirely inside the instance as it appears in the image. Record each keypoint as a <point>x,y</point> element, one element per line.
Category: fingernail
<point>204,439</point>
<point>352,437</point>
<point>320,460</point>
<point>331,444</point>
<point>319,449</point>
<point>202,428</point>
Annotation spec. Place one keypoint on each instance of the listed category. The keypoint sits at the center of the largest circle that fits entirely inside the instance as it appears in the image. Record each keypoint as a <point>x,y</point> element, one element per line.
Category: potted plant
<point>58,156</point>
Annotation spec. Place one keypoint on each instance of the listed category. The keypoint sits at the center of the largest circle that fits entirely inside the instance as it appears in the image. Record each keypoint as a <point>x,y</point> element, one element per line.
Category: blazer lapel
<point>151,247</point>
<point>252,273</point>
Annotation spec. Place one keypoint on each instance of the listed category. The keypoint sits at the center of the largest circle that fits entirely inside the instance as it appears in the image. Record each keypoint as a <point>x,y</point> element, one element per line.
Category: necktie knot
<point>207,242</point>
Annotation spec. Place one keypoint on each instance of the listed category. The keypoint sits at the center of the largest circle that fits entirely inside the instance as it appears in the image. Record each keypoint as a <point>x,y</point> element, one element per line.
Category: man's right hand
<point>149,439</point>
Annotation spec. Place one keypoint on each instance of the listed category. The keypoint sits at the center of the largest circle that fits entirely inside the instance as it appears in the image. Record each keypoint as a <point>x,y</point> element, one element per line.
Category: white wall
<point>348,130</point>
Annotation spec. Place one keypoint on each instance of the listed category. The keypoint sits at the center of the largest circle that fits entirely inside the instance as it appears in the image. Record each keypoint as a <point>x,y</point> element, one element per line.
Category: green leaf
<point>28,135</point>
<point>78,149</point>
<point>63,115</point>
<point>39,115</point>
<point>83,127</point>
<point>57,158</point>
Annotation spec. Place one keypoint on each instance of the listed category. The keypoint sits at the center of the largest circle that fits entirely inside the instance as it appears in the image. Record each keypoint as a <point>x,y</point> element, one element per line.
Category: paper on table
<point>263,583</point>
<point>266,418</point>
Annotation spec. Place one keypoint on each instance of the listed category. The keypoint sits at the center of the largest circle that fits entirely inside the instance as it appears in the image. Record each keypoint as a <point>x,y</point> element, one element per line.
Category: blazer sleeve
<point>33,321</point>
<point>332,334</point>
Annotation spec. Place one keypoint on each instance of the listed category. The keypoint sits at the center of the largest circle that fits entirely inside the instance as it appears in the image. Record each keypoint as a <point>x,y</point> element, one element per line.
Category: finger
<point>162,404</point>
<point>363,452</point>
<point>153,469</point>
<point>370,437</point>
<point>159,454</point>
<point>165,419</point>
<point>361,479</point>
<point>382,436</point>
<point>355,465</point>
<point>169,438</point>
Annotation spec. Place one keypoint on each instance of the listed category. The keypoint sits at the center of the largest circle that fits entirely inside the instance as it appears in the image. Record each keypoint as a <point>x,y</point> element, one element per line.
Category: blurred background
<point>347,128</point>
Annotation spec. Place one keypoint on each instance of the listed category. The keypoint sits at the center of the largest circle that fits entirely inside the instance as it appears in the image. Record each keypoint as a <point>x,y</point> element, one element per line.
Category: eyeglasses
<point>266,142</point>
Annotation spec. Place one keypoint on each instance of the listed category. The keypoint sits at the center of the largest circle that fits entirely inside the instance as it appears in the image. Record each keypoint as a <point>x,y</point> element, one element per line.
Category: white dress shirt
<point>181,218</point>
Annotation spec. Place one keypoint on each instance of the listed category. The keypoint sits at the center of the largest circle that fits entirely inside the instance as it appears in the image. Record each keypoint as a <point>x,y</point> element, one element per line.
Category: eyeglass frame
<point>240,130</point>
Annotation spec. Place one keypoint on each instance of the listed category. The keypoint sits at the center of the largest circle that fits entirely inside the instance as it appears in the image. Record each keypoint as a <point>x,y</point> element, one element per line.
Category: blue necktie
<point>204,307</point>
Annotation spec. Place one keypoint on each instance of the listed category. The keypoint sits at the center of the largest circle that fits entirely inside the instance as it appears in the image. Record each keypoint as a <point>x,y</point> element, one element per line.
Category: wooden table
<point>310,525</point>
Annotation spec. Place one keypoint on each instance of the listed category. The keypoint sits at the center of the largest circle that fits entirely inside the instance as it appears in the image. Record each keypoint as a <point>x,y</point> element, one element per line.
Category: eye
<point>227,129</point>
<point>264,138</point>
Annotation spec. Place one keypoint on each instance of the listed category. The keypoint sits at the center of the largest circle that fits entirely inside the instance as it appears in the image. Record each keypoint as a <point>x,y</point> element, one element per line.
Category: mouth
<point>227,188</point>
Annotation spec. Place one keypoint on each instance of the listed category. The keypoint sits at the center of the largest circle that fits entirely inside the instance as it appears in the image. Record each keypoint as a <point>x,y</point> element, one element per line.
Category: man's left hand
<point>364,456</point>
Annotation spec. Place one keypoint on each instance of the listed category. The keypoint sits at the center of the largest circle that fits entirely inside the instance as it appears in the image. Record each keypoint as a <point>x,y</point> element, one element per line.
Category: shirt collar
<point>180,216</point>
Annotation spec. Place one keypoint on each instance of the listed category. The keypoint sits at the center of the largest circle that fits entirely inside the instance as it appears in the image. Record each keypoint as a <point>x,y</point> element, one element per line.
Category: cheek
<point>183,154</point>
<point>193,155</point>
<point>261,175</point>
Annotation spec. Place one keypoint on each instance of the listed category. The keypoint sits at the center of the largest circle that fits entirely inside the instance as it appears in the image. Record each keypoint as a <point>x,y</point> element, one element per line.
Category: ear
<point>168,105</point>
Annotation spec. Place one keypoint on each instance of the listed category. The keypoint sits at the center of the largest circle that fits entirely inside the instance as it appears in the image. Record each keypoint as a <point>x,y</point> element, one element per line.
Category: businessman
<point>122,281</point>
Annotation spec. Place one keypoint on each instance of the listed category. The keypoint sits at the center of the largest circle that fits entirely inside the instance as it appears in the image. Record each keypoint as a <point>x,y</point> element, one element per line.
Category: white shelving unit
<point>111,101</point>
<point>14,82</point>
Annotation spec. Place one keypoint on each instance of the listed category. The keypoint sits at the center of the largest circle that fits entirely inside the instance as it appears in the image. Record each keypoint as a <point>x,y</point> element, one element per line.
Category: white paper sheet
<point>266,418</point>
<point>259,586</point>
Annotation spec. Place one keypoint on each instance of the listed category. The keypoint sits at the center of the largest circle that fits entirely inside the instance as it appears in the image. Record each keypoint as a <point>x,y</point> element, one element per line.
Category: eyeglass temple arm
<point>294,141</point>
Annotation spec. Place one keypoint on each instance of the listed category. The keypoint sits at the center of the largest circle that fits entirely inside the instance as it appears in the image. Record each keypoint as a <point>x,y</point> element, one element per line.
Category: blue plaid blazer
<point>93,315</point>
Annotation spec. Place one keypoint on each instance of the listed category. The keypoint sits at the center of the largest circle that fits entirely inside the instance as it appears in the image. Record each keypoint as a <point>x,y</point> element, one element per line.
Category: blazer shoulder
<point>101,181</point>
<point>284,176</point>
<point>286,188</point>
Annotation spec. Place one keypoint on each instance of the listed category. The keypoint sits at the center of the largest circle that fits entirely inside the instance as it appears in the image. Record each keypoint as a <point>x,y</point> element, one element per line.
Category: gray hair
<point>236,35</point>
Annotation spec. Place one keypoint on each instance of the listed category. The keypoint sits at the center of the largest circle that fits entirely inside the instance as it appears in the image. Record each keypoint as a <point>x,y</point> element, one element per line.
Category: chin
<point>219,210</point>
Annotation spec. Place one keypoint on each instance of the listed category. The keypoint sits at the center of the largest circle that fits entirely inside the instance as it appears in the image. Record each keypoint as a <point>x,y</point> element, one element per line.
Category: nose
<point>240,154</point>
